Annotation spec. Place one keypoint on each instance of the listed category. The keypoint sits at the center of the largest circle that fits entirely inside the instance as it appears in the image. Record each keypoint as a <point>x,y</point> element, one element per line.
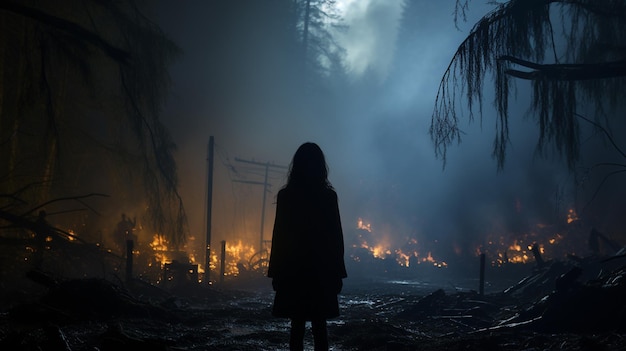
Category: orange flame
<point>382,248</point>
<point>362,225</point>
<point>571,216</point>
<point>238,256</point>
<point>159,246</point>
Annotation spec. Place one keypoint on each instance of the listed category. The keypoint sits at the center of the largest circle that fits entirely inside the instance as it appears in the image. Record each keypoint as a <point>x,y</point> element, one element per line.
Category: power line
<point>268,167</point>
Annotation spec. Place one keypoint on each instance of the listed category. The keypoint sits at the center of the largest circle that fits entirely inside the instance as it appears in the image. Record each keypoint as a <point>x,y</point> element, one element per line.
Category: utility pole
<point>209,204</point>
<point>265,184</point>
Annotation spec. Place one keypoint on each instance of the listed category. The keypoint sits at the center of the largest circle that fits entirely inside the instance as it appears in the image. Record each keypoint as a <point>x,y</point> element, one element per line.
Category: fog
<point>235,81</point>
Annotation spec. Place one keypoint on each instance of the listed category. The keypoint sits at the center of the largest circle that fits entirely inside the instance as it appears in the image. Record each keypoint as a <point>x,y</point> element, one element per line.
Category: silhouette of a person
<point>307,258</point>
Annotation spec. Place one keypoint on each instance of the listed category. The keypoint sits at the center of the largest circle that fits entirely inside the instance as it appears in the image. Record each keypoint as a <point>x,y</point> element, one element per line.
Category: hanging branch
<point>132,44</point>
<point>72,28</point>
<point>604,180</point>
<point>606,133</point>
<point>566,72</point>
<point>604,164</point>
<point>520,32</point>
<point>67,198</point>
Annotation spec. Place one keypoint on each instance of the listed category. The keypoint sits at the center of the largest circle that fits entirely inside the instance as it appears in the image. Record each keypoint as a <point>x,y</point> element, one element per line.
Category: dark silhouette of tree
<point>313,22</point>
<point>259,55</point>
<point>81,88</point>
<point>571,51</point>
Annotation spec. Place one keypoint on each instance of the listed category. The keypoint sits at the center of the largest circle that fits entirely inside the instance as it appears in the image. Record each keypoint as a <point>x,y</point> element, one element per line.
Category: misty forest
<point>474,148</point>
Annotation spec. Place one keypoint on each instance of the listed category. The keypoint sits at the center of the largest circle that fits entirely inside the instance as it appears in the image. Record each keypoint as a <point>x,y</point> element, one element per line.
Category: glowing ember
<point>362,225</point>
<point>193,260</point>
<point>571,216</point>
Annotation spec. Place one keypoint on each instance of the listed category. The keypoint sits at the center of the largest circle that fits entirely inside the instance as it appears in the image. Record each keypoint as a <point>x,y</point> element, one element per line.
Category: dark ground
<point>377,314</point>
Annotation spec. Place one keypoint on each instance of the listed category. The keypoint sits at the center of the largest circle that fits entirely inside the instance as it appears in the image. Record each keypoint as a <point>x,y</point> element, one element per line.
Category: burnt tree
<point>81,88</point>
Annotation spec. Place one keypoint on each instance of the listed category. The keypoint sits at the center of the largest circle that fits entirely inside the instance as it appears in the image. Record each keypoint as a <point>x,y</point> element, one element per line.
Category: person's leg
<point>320,334</point>
<point>296,337</point>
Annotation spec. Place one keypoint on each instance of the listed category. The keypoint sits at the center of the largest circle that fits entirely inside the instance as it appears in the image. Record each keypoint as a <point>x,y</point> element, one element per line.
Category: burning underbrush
<point>542,292</point>
<point>369,252</point>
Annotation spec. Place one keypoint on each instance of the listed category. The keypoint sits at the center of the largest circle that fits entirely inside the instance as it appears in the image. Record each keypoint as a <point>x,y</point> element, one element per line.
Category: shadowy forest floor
<point>377,314</point>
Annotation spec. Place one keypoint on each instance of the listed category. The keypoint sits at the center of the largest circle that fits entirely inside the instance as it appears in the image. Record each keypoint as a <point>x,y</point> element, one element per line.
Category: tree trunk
<point>305,34</point>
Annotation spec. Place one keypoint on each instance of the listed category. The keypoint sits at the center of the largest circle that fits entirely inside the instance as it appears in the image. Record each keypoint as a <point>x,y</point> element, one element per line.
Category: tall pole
<point>223,261</point>
<point>481,278</point>
<point>209,204</point>
<point>129,261</point>
<point>265,184</point>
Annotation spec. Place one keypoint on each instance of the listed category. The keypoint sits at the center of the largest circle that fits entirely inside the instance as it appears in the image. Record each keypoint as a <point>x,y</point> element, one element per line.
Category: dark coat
<point>306,261</point>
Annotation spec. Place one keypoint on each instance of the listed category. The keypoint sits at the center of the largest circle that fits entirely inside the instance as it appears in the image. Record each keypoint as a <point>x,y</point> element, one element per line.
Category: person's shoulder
<point>331,193</point>
<point>283,193</point>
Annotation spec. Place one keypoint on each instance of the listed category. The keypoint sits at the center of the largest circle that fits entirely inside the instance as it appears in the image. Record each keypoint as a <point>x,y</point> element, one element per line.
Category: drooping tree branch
<point>566,72</point>
<point>601,184</point>
<point>606,133</point>
<point>604,164</point>
<point>62,24</point>
<point>590,67</point>
<point>66,198</point>
<point>94,40</point>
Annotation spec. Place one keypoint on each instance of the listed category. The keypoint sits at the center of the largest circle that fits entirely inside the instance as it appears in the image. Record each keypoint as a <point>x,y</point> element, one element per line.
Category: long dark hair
<point>308,168</point>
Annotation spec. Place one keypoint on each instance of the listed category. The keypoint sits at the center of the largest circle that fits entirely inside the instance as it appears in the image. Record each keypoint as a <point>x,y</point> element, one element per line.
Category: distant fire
<point>362,225</point>
<point>163,254</point>
<point>371,245</point>
<point>539,241</point>
<point>379,246</point>
<point>160,249</point>
<point>571,216</point>
<point>238,256</point>
<point>519,251</point>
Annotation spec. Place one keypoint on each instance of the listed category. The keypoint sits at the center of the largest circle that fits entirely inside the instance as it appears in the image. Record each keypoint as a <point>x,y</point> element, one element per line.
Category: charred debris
<point>555,299</point>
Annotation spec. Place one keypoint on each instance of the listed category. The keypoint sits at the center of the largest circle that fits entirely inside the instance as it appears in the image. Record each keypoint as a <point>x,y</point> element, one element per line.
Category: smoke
<point>370,37</point>
<point>236,82</point>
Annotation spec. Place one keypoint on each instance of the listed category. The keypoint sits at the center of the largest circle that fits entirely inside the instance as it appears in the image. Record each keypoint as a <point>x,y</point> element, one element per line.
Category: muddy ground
<point>377,314</point>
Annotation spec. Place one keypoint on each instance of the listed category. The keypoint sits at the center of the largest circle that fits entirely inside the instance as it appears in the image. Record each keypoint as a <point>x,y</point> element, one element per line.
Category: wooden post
<point>209,206</point>
<point>129,260</point>
<point>537,253</point>
<point>265,184</point>
<point>223,262</point>
<point>481,284</point>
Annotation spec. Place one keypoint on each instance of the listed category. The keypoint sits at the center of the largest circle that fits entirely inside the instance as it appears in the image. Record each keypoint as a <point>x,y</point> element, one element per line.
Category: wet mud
<point>376,315</point>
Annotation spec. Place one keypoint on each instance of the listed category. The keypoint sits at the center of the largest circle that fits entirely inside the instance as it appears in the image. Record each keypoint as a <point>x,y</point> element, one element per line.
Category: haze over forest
<point>239,81</point>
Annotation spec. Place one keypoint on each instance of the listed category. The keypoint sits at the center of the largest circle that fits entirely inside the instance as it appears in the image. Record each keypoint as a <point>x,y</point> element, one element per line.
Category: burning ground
<point>394,299</point>
<point>377,314</point>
